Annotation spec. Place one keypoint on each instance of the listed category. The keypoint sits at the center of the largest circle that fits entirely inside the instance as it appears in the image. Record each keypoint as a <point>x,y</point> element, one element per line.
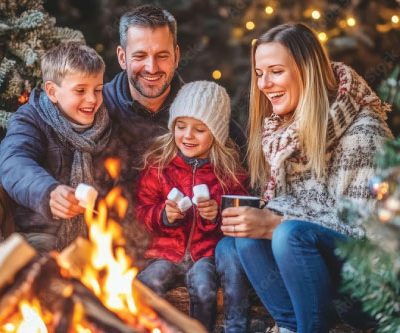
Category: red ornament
<point>24,97</point>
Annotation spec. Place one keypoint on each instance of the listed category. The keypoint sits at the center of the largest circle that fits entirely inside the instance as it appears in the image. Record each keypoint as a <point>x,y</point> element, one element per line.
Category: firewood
<point>166,310</point>
<point>77,255</point>
<point>15,253</point>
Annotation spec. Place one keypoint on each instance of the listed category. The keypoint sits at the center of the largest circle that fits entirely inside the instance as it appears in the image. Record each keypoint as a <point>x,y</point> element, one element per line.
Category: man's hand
<point>172,211</point>
<point>63,203</point>
<point>208,209</point>
<point>249,222</point>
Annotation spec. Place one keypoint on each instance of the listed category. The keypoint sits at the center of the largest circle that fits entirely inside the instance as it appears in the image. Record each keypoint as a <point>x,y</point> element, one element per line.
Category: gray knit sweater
<point>356,131</point>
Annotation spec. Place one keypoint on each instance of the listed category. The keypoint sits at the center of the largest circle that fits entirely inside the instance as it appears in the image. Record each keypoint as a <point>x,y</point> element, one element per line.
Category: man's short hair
<point>70,57</point>
<point>147,16</point>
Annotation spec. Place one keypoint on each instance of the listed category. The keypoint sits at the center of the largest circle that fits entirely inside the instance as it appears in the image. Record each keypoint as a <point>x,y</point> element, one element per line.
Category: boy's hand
<point>172,211</point>
<point>63,203</point>
<point>208,209</point>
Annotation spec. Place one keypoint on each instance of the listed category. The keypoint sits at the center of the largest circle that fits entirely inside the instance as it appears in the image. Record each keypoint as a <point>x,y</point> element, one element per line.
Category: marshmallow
<point>175,195</point>
<point>184,204</point>
<point>200,193</point>
<point>86,195</point>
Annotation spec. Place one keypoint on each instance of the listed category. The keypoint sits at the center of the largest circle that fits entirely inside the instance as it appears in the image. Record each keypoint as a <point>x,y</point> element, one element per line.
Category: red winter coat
<point>199,236</point>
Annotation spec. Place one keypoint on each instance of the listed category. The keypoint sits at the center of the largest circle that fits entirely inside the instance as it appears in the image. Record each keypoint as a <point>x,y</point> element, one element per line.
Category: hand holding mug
<point>249,221</point>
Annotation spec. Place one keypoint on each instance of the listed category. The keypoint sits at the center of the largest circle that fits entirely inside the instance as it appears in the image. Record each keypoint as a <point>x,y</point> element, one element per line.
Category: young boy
<point>50,144</point>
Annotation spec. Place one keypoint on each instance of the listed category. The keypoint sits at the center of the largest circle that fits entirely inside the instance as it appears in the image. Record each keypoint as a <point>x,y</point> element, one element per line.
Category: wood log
<point>77,255</point>
<point>15,253</point>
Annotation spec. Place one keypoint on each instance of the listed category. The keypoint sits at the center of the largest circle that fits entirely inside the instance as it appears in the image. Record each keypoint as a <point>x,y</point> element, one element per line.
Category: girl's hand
<point>63,203</point>
<point>172,211</point>
<point>249,222</point>
<point>208,209</point>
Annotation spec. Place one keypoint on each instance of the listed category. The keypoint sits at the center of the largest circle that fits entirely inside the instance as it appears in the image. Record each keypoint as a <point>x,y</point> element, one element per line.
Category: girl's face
<point>192,137</point>
<point>278,77</point>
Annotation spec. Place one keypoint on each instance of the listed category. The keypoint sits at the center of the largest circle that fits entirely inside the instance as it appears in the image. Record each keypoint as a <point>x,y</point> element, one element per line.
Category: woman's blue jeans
<point>296,276</point>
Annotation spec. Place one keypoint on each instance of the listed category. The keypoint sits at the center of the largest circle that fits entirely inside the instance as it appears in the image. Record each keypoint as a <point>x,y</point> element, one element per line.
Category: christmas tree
<point>26,32</point>
<point>372,269</point>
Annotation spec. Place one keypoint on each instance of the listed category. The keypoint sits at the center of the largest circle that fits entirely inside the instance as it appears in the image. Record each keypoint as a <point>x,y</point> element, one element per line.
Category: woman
<point>314,129</point>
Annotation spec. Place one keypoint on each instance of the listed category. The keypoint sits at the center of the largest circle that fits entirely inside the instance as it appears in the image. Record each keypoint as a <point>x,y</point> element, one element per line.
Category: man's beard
<point>150,92</point>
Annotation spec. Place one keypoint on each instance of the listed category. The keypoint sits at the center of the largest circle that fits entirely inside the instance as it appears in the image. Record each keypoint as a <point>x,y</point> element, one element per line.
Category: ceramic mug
<point>234,200</point>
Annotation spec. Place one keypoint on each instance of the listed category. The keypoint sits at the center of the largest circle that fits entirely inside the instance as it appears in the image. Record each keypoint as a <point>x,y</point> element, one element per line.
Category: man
<point>138,98</point>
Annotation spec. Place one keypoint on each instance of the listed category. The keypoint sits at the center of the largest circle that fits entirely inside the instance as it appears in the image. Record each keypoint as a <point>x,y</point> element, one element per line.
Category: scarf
<point>281,141</point>
<point>84,144</point>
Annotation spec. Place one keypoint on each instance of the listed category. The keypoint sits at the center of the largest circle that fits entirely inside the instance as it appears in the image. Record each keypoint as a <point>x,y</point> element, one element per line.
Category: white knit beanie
<point>207,102</point>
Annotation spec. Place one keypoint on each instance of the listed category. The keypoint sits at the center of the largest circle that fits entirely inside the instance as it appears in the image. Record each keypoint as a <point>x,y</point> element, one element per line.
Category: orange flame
<point>110,275</point>
<point>29,319</point>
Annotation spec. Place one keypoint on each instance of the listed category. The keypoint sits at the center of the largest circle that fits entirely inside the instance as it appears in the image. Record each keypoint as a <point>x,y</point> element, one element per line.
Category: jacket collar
<point>190,162</point>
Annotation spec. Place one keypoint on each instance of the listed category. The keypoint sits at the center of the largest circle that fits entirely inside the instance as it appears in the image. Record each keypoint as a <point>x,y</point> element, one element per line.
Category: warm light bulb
<point>351,21</point>
<point>322,36</point>
<point>216,74</point>
<point>250,25</point>
<point>315,14</point>
<point>269,10</point>
<point>395,19</point>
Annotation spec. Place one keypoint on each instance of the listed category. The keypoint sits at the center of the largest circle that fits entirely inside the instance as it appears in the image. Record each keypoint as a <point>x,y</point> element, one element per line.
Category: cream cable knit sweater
<point>356,130</point>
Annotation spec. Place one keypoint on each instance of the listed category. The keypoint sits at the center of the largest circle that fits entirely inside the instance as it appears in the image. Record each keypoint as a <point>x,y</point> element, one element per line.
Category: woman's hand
<point>208,210</point>
<point>172,211</point>
<point>249,222</point>
<point>63,203</point>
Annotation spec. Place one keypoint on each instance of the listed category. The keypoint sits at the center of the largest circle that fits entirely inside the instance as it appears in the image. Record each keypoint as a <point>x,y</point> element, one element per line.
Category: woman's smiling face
<point>278,77</point>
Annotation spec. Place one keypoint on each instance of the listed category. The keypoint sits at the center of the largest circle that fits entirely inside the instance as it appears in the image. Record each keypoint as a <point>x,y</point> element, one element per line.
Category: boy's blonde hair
<point>69,58</point>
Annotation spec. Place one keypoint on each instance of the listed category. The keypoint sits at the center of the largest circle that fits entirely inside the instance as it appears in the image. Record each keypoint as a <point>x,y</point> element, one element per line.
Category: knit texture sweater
<point>356,130</point>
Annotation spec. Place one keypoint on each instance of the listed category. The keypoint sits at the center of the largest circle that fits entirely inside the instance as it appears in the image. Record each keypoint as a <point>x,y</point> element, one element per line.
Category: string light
<point>351,21</point>
<point>269,10</point>
<point>323,37</point>
<point>250,25</point>
<point>237,32</point>
<point>216,74</point>
<point>395,19</point>
<point>316,14</point>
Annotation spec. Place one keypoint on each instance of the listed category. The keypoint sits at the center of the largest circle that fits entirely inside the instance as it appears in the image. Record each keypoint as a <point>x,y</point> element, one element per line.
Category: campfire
<point>89,287</point>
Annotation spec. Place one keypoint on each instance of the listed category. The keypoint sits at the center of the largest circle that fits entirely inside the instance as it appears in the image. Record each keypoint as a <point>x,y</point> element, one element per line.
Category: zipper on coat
<point>187,250</point>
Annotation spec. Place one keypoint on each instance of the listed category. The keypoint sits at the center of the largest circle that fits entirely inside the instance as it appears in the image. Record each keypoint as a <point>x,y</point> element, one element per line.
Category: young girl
<point>195,151</point>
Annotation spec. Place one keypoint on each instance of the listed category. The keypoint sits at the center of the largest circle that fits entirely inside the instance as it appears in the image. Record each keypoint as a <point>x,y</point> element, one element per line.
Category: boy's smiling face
<point>78,96</point>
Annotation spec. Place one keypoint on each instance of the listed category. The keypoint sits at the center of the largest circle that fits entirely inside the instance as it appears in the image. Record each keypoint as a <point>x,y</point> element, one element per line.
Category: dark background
<point>212,36</point>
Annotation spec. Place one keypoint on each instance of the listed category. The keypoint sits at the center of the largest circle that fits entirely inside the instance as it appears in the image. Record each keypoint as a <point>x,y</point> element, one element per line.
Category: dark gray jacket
<point>33,161</point>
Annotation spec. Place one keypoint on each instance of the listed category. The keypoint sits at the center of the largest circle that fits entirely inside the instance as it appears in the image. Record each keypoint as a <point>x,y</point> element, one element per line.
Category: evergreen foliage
<point>26,32</point>
<point>371,272</point>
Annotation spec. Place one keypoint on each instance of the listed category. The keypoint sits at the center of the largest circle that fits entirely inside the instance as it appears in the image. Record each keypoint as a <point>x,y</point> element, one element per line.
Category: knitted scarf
<point>84,144</point>
<point>281,143</point>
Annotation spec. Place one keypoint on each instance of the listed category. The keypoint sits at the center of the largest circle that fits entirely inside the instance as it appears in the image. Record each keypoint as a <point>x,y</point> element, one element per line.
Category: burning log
<point>75,257</point>
<point>51,279</point>
<point>41,277</point>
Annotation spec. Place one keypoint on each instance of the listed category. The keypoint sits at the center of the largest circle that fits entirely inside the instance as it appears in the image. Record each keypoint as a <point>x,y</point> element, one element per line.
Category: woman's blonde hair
<point>224,159</point>
<point>318,84</point>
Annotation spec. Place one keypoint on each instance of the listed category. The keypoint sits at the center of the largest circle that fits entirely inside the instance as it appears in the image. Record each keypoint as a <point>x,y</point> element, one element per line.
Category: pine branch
<point>6,66</point>
<point>29,19</point>
<point>389,156</point>
<point>4,118</point>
